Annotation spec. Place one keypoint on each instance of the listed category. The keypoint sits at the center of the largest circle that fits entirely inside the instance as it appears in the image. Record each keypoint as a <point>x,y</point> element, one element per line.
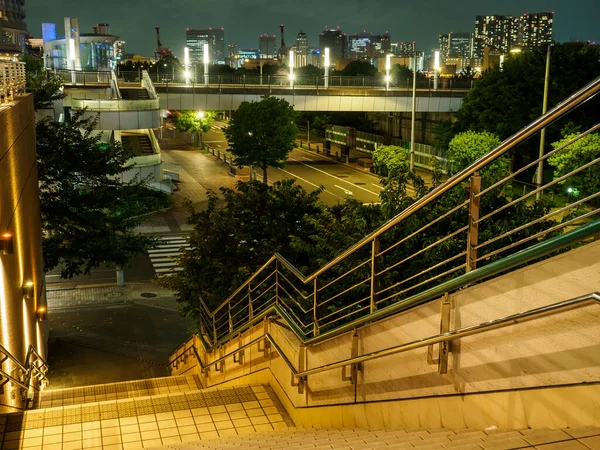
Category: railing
<point>302,82</point>
<point>12,80</point>
<point>84,78</point>
<point>115,105</point>
<point>190,349</point>
<point>31,374</point>
<point>471,227</point>
<point>148,85</point>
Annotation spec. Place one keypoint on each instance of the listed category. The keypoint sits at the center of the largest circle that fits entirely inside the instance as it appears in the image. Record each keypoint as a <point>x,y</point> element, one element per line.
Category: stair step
<point>173,418</point>
<point>117,391</point>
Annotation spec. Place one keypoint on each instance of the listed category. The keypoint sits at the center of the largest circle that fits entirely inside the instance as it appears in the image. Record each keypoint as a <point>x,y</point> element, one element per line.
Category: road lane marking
<point>337,178</point>
<point>346,191</point>
<point>306,181</point>
<point>377,186</point>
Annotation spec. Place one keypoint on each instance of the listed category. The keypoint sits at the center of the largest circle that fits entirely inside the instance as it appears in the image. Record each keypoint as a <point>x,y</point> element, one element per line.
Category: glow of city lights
<point>200,115</point>
<point>387,78</point>
<point>187,74</point>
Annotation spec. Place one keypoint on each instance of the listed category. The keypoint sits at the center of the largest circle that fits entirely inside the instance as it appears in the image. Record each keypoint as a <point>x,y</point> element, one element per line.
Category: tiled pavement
<point>303,439</point>
<point>117,391</point>
<point>144,422</point>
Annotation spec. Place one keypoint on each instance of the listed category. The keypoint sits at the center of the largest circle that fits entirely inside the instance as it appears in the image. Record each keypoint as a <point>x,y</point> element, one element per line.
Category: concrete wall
<point>20,215</point>
<point>498,378</point>
<point>398,124</point>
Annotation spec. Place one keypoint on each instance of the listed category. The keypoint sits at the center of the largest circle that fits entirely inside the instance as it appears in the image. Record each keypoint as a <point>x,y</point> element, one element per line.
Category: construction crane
<point>160,52</point>
<point>283,49</point>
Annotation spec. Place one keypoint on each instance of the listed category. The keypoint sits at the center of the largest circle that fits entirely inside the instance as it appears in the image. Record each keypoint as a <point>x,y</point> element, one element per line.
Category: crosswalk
<point>163,256</point>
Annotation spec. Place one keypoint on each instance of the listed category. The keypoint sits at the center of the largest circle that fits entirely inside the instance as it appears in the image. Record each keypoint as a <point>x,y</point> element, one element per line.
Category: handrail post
<point>374,270</point>
<point>473,231</point>
<point>277,281</point>
<point>315,304</point>
<point>215,329</point>
<point>229,317</point>
<point>250,310</point>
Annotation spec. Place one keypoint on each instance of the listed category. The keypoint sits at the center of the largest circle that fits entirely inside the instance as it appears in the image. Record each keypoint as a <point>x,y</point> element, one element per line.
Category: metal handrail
<point>542,122</point>
<point>28,368</point>
<point>503,322</point>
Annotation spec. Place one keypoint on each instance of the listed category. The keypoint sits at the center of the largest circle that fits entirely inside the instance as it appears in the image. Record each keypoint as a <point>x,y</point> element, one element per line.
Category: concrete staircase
<point>139,143</point>
<point>467,439</point>
<point>173,413</point>
<point>134,94</point>
<point>142,414</point>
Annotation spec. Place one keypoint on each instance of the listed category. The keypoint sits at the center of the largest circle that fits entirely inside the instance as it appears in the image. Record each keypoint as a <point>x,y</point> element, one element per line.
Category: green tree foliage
<point>308,72</point>
<point>262,133</point>
<point>575,155</point>
<point>88,214</point>
<point>443,131</point>
<point>504,101</point>
<point>359,68</point>
<point>193,122</point>
<point>465,148</point>
<point>390,160</point>
<point>229,243</point>
<point>45,87</point>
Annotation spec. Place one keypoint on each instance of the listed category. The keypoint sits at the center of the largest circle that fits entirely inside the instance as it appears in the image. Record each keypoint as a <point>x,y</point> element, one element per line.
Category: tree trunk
<point>265,174</point>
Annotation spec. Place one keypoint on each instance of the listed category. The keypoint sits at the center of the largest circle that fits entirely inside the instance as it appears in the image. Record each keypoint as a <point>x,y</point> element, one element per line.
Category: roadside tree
<point>194,122</point>
<point>262,133</point>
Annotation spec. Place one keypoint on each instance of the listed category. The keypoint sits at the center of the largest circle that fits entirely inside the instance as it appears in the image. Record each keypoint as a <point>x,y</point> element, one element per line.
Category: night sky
<point>243,20</point>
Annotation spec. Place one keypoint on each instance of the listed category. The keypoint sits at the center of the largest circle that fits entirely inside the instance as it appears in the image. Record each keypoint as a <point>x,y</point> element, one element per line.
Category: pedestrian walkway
<point>164,255</point>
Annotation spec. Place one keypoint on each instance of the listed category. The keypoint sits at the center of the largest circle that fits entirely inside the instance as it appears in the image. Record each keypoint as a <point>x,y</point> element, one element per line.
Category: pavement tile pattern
<point>146,421</point>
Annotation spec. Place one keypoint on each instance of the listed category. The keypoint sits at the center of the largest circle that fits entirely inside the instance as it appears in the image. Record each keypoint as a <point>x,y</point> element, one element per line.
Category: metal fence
<point>299,82</point>
<point>471,227</point>
<point>12,80</point>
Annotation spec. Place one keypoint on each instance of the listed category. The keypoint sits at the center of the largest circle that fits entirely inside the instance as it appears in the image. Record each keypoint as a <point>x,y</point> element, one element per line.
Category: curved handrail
<point>540,123</point>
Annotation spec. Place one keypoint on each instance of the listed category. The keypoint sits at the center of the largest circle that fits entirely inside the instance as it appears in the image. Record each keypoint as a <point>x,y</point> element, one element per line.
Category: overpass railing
<point>300,82</point>
<point>471,227</point>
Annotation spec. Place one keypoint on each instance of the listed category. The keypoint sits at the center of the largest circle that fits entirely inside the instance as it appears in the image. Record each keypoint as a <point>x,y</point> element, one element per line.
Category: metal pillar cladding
<point>327,64</point>
<point>206,61</point>
<point>473,231</point>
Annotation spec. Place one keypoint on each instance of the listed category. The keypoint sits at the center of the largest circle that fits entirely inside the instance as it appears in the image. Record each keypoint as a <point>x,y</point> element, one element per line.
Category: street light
<point>327,64</point>
<point>436,69</point>
<point>291,64</point>
<point>186,62</point>
<point>388,66</point>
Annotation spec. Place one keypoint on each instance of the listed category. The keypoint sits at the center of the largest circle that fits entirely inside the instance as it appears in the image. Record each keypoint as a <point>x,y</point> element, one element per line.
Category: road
<point>312,170</point>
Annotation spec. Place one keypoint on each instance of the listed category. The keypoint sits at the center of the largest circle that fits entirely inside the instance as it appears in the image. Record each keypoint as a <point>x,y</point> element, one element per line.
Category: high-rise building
<point>301,49</point>
<point>444,40</point>
<point>267,44</point>
<point>336,41</point>
<point>501,33</point>
<point>535,30</point>
<point>385,43</point>
<point>359,45</point>
<point>460,45</point>
<point>402,49</point>
<point>214,37</point>
<point>13,29</point>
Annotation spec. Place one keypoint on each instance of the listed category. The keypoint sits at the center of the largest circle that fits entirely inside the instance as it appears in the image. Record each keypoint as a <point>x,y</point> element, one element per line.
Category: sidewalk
<point>143,294</point>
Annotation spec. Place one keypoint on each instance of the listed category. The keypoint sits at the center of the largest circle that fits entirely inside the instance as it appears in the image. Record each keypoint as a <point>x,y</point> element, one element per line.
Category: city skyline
<point>572,22</point>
